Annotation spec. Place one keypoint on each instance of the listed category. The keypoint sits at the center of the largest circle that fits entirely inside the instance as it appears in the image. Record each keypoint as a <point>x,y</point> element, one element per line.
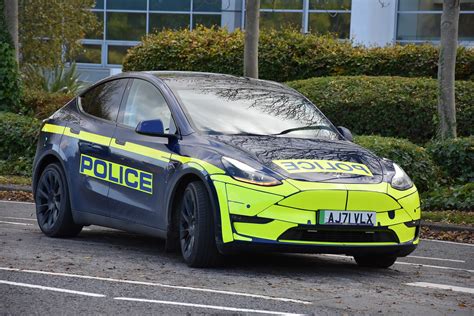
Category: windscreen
<point>230,108</point>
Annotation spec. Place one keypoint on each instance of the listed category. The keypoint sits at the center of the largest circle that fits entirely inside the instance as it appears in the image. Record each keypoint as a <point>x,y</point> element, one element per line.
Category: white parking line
<point>434,267</point>
<point>178,287</point>
<point>19,218</point>
<point>442,286</point>
<point>221,308</point>
<point>407,263</point>
<point>449,242</point>
<point>437,259</point>
<point>17,202</point>
<point>47,288</point>
<point>16,223</point>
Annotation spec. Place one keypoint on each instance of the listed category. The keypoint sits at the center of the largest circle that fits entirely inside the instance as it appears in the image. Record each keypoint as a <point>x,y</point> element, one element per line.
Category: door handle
<point>91,148</point>
<point>120,142</point>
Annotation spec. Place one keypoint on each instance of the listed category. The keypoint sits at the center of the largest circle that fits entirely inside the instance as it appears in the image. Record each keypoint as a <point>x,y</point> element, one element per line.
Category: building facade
<point>366,22</point>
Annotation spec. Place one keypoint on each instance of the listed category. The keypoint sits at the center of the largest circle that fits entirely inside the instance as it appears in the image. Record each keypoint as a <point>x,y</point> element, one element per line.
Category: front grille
<point>332,235</point>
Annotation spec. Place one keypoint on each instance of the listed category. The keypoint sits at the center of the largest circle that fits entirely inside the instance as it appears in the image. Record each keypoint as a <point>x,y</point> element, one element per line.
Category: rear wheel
<point>196,227</point>
<point>53,208</point>
<point>374,261</point>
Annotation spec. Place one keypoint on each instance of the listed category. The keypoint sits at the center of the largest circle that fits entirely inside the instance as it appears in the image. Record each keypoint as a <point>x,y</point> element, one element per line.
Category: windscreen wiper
<point>303,128</point>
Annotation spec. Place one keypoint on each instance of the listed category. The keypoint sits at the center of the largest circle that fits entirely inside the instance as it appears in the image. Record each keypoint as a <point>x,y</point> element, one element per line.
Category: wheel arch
<point>182,178</point>
<point>46,158</point>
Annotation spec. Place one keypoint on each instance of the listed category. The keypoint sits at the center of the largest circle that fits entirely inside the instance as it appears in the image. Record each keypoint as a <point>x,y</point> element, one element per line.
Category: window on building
<point>116,54</point>
<point>160,21</point>
<point>125,26</point>
<point>279,14</point>
<point>126,5</point>
<point>330,17</point>
<point>170,5</point>
<point>419,20</point>
<point>90,54</point>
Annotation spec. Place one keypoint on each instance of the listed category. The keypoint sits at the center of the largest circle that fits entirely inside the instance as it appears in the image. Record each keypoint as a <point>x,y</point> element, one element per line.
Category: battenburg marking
<point>312,165</point>
<point>116,173</point>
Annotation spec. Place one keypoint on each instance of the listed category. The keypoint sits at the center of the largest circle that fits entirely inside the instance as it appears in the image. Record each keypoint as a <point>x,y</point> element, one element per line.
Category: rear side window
<point>104,100</point>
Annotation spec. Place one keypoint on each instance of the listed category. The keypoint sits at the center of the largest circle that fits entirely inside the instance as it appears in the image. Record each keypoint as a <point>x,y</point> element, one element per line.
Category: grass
<point>18,180</point>
<point>450,217</point>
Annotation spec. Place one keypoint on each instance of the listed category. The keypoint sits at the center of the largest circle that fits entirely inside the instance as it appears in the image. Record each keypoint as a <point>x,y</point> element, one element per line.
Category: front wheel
<point>375,261</point>
<point>53,208</point>
<point>196,227</point>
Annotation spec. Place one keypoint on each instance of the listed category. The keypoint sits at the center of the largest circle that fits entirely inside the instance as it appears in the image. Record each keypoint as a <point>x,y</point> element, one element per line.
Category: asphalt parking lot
<point>104,271</point>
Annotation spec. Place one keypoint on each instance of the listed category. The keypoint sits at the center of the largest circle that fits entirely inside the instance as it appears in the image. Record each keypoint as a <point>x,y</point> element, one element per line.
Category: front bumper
<point>285,218</point>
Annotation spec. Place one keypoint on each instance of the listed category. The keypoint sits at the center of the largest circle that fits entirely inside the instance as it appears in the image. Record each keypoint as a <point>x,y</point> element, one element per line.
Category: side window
<point>104,100</point>
<point>145,102</point>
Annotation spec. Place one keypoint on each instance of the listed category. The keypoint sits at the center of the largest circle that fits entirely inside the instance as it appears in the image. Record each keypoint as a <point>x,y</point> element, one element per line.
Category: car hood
<point>307,159</point>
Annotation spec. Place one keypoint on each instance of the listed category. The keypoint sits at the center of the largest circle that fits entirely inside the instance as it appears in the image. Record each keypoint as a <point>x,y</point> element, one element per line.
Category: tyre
<point>374,261</point>
<point>53,207</point>
<point>196,227</point>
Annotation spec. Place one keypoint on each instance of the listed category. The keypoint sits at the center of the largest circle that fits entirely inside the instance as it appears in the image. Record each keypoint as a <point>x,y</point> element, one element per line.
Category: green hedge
<point>388,106</point>
<point>286,55</point>
<point>412,158</point>
<point>10,79</point>
<point>458,197</point>
<point>18,145</point>
<point>455,157</point>
<point>42,104</point>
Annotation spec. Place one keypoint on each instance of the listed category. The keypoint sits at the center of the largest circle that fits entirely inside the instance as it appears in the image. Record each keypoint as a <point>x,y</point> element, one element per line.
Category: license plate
<point>347,218</point>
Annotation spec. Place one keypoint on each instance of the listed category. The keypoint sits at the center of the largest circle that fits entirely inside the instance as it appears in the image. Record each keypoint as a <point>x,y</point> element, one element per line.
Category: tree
<point>252,14</point>
<point>51,30</point>
<point>11,19</point>
<point>447,67</point>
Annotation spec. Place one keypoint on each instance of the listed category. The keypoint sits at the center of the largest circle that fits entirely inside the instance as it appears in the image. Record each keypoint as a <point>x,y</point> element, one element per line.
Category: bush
<point>18,145</point>
<point>455,157</point>
<point>387,106</point>
<point>42,104</point>
<point>10,79</point>
<point>460,197</point>
<point>412,158</point>
<point>286,55</point>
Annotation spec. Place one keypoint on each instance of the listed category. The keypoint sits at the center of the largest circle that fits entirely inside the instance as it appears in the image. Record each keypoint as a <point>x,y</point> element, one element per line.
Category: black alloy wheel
<point>53,209</point>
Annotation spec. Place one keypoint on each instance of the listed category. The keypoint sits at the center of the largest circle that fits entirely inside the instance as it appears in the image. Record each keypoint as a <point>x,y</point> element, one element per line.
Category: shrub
<point>42,104</point>
<point>455,157</point>
<point>286,55</point>
<point>10,79</point>
<point>18,145</point>
<point>412,158</point>
<point>387,106</point>
<point>459,197</point>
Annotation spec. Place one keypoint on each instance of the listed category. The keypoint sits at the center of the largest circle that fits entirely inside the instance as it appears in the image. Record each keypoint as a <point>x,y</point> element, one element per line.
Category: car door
<point>145,159</point>
<point>87,146</point>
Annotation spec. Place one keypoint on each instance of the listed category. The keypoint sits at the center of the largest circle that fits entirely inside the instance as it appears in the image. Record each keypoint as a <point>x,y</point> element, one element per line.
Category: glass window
<point>99,32</point>
<point>145,102</point>
<point>99,4</point>
<point>282,4</point>
<point>126,26</point>
<point>222,106</point>
<point>126,5</point>
<point>104,100</point>
<point>280,20</point>
<point>330,4</point>
<point>170,5</point>
<point>160,21</point>
<point>207,20</point>
<point>430,5</point>
<point>324,23</point>
<point>91,54</point>
<point>116,54</point>
<point>207,5</point>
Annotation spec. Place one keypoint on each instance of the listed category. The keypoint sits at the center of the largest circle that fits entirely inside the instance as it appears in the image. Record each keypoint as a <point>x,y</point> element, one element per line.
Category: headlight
<point>400,181</point>
<point>245,173</point>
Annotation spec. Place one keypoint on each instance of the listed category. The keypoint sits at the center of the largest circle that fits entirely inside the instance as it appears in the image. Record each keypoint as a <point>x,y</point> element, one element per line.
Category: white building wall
<point>373,22</point>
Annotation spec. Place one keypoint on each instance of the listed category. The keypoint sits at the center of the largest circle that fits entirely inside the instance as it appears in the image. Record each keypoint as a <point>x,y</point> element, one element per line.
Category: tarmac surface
<point>105,271</point>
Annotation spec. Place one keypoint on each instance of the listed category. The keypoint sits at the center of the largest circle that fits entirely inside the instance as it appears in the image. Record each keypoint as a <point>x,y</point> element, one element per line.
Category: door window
<point>145,102</point>
<point>104,100</point>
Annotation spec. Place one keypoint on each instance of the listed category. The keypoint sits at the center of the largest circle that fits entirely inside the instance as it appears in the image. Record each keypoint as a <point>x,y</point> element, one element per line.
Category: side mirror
<point>152,128</point>
<point>346,133</point>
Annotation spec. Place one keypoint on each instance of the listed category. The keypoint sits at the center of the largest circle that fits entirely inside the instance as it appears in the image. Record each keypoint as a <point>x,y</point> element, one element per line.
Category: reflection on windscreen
<point>224,109</point>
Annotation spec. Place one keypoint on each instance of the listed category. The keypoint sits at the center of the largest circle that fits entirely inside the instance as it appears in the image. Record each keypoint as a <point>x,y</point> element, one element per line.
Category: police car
<point>218,164</point>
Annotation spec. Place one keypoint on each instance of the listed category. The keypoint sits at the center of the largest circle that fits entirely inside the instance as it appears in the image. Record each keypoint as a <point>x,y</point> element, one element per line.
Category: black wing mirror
<point>346,133</point>
<point>153,128</point>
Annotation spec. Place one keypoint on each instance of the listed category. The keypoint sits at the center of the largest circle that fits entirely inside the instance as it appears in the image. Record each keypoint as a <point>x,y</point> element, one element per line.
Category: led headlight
<point>400,181</point>
<point>245,173</point>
